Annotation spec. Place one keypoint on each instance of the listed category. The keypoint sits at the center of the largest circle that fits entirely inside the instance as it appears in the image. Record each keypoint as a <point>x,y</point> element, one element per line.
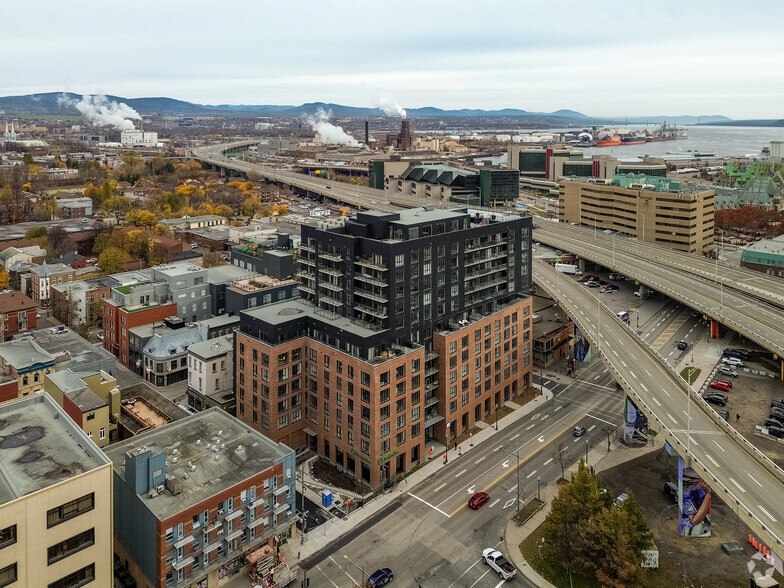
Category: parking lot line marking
<point>460,473</point>
<point>752,477</point>
<point>591,428</point>
<point>481,459</point>
<point>738,485</point>
<point>766,512</point>
<point>430,505</point>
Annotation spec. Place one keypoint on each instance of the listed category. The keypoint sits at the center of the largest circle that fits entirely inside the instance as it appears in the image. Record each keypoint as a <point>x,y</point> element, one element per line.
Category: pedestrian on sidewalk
<point>737,417</point>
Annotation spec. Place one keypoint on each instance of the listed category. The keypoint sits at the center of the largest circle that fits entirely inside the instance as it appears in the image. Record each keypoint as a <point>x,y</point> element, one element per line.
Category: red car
<point>478,500</point>
<point>719,385</point>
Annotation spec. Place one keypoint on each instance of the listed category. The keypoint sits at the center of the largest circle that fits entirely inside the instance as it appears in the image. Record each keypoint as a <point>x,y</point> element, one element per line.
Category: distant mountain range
<point>50,103</point>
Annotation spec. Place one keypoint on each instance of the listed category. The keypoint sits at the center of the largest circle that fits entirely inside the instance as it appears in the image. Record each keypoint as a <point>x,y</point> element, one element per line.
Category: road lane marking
<point>342,569</point>
<point>688,416</point>
<point>327,577</point>
<point>672,418</point>
<point>523,459</point>
<point>717,445</point>
<point>496,501</point>
<point>591,428</point>
<point>766,512</point>
<point>615,353</point>
<point>515,437</point>
<point>665,391</point>
<point>596,378</point>
<point>649,373</point>
<point>738,485</point>
<point>576,439</point>
<point>632,374</point>
<point>513,488</point>
<point>497,448</point>
<point>656,401</point>
<point>531,474</point>
<point>529,427</point>
<point>692,440</point>
<point>430,505</point>
<point>752,477</point>
<point>643,386</point>
<point>713,461</point>
<point>548,461</point>
<point>624,364</point>
<point>557,408</point>
<point>439,488</point>
<point>545,416</point>
<point>599,419</point>
<point>460,473</point>
<point>481,459</point>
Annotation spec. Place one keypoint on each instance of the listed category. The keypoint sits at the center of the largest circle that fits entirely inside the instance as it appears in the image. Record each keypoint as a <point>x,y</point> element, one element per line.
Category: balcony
<point>432,417</point>
<point>490,257</point>
<point>307,248</point>
<point>430,400</point>
<point>430,386</point>
<point>330,256</point>
<point>371,295</point>
<point>431,355</point>
<point>331,286</point>
<point>360,277</point>
<point>331,301</point>
<point>368,262</point>
<point>377,312</point>
<point>307,289</point>
<point>492,243</point>
<point>485,285</point>
<point>431,371</point>
<point>330,272</point>
<point>305,260</point>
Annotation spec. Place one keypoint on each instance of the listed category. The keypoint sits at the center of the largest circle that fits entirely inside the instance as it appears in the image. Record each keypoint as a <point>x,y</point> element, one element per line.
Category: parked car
<point>738,352</point>
<point>776,413</point>
<point>478,500</point>
<point>776,432</point>
<point>724,414</point>
<point>614,276</point>
<point>380,577</point>
<point>100,336</point>
<point>92,260</point>
<point>671,490</point>
<point>578,431</point>
<point>725,382</point>
<point>733,361</point>
<point>769,422</point>
<point>623,497</point>
<point>592,284</point>
<point>728,371</point>
<point>777,404</point>
<point>637,293</point>
<point>719,385</point>
<point>716,398</point>
<point>681,345</point>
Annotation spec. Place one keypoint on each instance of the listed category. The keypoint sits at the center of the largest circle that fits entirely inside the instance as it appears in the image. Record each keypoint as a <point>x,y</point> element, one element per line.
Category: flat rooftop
<point>41,446</point>
<point>69,349</point>
<point>241,453</point>
<point>279,313</point>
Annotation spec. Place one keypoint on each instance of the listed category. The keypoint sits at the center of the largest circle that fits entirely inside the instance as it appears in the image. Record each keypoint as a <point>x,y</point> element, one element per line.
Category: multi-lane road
<point>429,538</point>
<point>748,482</point>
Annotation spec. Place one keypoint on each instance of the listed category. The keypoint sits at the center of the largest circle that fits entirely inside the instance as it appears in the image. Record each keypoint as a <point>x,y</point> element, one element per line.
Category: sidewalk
<point>601,460</point>
<point>325,535</point>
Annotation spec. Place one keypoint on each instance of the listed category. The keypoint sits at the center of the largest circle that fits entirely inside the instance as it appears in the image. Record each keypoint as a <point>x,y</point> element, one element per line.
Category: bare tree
<point>560,456</point>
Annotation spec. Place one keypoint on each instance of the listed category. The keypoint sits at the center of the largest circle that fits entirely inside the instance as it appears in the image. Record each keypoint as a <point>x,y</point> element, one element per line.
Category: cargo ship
<point>607,138</point>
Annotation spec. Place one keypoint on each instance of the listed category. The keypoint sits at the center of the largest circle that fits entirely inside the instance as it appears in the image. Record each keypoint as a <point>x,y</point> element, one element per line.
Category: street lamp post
<point>362,569</point>
<point>496,416</point>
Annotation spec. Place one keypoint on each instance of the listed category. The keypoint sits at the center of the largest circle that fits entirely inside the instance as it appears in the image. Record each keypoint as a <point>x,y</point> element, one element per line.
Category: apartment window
<point>69,510</point>
<point>8,575</point>
<point>70,546</point>
<point>102,433</point>
<point>75,579</point>
<point>7,536</point>
<point>364,446</point>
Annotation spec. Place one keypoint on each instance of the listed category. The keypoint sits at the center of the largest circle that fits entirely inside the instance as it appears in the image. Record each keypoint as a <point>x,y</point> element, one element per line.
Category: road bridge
<point>745,478</point>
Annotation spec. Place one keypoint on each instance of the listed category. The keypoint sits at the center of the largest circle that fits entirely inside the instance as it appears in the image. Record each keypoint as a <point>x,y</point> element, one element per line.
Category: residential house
<point>44,276</point>
<point>18,314</point>
<point>158,352</point>
<point>211,374</point>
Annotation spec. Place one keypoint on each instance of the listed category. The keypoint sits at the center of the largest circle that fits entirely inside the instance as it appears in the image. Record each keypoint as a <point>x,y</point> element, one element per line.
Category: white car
<point>733,361</point>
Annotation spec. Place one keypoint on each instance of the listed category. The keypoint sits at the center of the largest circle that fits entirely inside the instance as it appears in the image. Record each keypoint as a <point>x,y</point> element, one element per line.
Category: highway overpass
<point>746,303</point>
<point>747,480</point>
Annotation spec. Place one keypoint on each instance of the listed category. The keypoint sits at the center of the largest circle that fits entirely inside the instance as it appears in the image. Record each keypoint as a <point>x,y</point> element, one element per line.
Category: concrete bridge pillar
<point>643,292</point>
<point>581,264</point>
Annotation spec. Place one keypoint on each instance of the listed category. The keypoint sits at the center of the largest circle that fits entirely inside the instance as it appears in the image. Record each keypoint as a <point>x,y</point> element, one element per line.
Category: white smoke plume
<point>390,107</point>
<point>330,133</point>
<point>99,110</point>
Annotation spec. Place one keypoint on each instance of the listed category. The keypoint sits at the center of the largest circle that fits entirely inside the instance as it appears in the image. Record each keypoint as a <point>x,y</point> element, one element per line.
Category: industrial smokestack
<point>367,134</point>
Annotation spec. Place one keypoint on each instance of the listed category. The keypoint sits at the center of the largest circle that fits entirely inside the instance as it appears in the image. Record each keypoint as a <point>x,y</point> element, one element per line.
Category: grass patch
<point>690,374</point>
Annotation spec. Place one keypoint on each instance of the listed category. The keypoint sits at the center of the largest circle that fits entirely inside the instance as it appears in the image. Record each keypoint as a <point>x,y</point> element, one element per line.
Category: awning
<point>233,515</point>
<point>179,564</point>
<point>280,490</point>
<point>184,541</point>
<point>282,508</point>
<point>310,433</point>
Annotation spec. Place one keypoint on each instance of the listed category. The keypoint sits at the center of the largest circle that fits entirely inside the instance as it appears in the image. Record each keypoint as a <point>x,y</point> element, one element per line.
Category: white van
<point>623,315</point>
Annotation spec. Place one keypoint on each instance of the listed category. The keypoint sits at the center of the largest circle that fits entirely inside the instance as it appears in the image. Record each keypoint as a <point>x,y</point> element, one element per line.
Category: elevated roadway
<point>747,480</point>
<point>747,305</point>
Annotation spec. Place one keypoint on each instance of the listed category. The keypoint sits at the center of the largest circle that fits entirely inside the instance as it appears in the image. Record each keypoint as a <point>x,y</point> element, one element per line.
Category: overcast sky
<point>600,58</point>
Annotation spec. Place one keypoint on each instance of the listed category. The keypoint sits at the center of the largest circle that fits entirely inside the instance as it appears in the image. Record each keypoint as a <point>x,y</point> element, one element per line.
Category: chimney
<point>367,134</point>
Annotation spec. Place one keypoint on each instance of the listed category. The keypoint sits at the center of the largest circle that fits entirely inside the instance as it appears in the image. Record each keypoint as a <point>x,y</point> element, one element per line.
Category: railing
<point>368,262</point>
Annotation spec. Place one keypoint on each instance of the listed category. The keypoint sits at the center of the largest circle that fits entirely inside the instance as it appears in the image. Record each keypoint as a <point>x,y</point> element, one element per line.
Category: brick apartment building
<point>119,320</point>
<point>193,498</point>
<point>18,314</point>
<point>412,326</point>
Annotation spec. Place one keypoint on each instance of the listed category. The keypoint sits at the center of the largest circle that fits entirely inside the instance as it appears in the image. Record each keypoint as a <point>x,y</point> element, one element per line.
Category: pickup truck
<point>497,561</point>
